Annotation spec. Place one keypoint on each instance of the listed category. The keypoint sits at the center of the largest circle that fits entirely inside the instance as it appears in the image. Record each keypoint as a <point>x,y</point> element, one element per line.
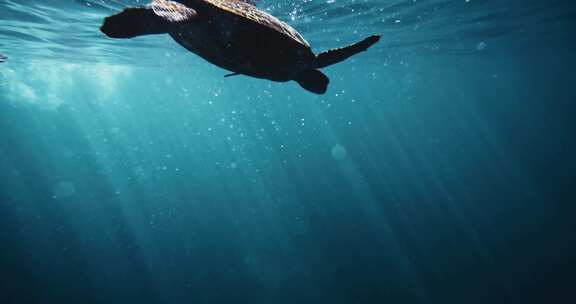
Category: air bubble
<point>338,152</point>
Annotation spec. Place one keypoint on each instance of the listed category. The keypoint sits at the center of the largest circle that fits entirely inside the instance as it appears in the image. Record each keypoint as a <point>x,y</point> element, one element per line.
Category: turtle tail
<point>133,22</point>
<point>333,56</point>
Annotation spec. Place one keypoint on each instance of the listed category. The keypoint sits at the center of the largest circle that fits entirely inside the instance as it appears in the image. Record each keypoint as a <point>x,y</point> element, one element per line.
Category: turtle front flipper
<point>162,17</point>
<point>330,57</point>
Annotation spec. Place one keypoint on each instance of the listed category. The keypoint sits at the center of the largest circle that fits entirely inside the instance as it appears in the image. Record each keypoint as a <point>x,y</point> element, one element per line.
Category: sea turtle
<point>236,36</point>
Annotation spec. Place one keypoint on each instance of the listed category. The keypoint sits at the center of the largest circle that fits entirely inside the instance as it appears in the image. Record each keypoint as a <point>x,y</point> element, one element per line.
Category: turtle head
<point>313,81</point>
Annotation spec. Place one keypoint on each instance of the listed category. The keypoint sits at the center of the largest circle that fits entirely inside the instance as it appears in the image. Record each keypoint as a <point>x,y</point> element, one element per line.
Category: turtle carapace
<point>236,36</point>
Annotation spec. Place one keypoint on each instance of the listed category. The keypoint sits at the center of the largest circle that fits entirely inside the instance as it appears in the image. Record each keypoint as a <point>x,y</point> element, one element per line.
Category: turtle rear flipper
<point>163,17</point>
<point>333,56</point>
<point>313,81</point>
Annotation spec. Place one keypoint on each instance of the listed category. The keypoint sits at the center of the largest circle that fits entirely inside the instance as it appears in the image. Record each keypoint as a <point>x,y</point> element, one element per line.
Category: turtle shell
<point>249,11</point>
<point>239,37</point>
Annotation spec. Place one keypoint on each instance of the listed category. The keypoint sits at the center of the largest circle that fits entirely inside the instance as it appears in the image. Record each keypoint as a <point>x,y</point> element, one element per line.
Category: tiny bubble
<point>338,152</point>
<point>481,46</point>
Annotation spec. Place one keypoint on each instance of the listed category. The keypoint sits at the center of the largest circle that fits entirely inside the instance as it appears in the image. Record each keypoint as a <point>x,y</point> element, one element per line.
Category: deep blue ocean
<point>440,166</point>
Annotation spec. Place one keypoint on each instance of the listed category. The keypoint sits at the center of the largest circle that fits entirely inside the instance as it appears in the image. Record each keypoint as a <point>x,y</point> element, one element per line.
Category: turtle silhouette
<point>236,36</point>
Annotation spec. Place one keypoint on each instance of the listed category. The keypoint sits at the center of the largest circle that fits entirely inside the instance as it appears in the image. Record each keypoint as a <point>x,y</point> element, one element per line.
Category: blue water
<point>440,166</point>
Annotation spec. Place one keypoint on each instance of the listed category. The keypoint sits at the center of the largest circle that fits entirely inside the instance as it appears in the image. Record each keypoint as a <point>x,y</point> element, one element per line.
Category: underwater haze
<point>439,167</point>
